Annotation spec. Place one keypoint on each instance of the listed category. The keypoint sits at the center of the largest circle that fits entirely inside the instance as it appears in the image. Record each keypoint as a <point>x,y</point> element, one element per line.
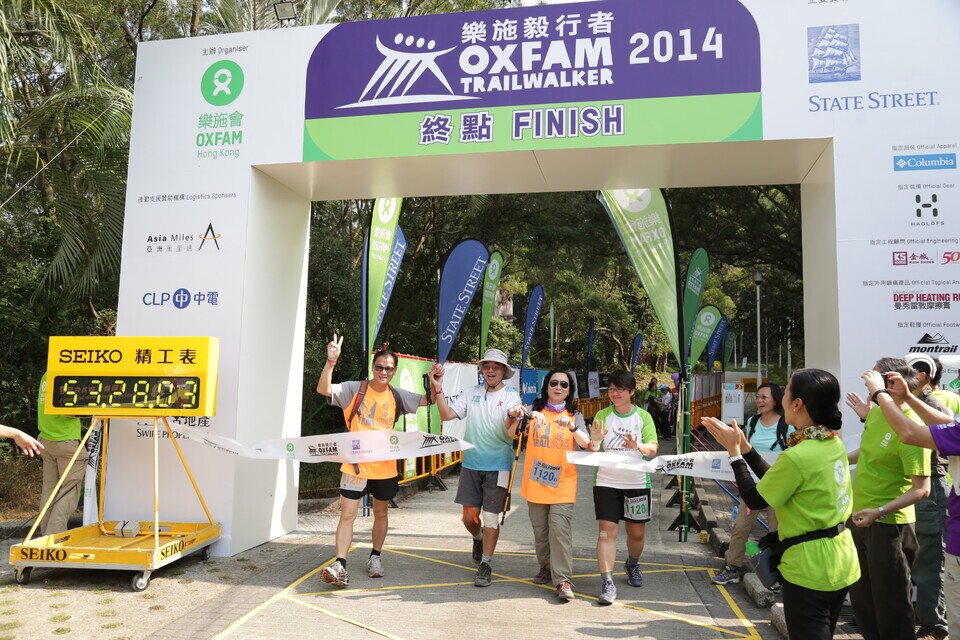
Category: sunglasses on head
<point>563,384</point>
<point>383,368</point>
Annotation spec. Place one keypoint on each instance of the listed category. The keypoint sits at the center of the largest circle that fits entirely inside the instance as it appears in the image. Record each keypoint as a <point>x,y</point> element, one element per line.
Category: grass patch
<point>184,581</point>
<point>60,617</point>
<point>243,559</point>
<point>177,572</point>
<point>102,590</point>
<point>8,612</point>
<point>10,626</point>
<point>111,625</point>
<point>57,594</point>
<point>213,570</point>
<point>107,600</point>
<point>108,613</point>
<point>57,605</point>
<point>157,607</point>
<point>148,596</point>
<point>61,631</point>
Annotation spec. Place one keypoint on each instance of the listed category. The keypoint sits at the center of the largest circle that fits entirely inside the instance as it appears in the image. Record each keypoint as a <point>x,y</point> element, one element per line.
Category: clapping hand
<point>597,431</point>
<point>729,437</point>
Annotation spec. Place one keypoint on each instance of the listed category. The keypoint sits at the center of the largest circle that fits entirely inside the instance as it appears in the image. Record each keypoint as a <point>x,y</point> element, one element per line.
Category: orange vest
<point>375,414</point>
<point>547,476</point>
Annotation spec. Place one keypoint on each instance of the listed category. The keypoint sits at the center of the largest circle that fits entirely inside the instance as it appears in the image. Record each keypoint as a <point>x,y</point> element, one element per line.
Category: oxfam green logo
<point>290,447</point>
<point>222,83</point>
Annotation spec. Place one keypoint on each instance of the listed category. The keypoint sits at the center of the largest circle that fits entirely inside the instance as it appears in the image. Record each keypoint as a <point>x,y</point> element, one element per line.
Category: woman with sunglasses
<point>549,482</point>
<point>620,494</point>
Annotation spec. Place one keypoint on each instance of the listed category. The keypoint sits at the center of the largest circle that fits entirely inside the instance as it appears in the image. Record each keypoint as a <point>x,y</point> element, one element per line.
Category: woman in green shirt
<point>809,487</point>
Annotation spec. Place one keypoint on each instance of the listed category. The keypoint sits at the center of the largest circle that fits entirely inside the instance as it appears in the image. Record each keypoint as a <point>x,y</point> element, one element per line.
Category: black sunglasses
<point>563,384</point>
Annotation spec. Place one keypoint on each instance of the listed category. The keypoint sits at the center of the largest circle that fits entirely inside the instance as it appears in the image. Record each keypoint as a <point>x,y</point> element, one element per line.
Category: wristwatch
<point>878,392</point>
<point>883,512</point>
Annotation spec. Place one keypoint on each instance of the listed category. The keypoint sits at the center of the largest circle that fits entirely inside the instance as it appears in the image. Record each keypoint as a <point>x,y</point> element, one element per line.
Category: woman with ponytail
<point>809,487</point>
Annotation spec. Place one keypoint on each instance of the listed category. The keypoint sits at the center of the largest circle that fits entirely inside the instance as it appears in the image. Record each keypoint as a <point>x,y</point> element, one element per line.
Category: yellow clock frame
<point>170,375</point>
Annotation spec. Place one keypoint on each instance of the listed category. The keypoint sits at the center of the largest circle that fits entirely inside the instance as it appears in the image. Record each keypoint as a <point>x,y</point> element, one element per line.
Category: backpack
<point>397,403</point>
<point>782,425</point>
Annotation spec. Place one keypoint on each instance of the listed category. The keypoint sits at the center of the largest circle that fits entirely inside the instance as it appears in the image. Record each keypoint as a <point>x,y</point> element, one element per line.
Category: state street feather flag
<point>393,270</point>
<point>715,346</point>
<point>534,305</point>
<point>641,219</point>
<point>728,343</point>
<point>591,334</point>
<point>378,257</point>
<point>635,354</point>
<point>460,277</point>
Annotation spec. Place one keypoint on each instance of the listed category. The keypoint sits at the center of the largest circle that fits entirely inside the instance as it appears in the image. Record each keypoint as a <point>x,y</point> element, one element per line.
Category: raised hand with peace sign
<point>333,349</point>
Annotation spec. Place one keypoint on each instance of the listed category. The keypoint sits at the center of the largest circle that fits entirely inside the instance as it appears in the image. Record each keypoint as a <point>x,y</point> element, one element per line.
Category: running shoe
<point>477,550</point>
<point>565,591</point>
<point>543,577</point>
<point>634,577</point>
<point>727,576</point>
<point>930,633</point>
<point>483,578</point>
<point>335,574</point>
<point>608,592</point>
<point>374,567</point>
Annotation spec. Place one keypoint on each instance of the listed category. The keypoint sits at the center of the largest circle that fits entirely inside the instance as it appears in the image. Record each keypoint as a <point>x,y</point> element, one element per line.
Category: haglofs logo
<point>833,53</point>
<point>222,83</point>
<point>935,343</point>
<point>403,67</point>
<point>926,203</point>
<point>925,162</point>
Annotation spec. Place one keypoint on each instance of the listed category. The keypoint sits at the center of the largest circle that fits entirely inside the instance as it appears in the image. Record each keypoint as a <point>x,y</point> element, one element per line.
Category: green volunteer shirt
<point>55,428</point>
<point>948,399</point>
<point>809,487</point>
<point>885,467</point>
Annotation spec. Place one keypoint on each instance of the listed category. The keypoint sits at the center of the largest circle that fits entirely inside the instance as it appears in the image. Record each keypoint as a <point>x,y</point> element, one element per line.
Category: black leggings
<point>811,614</point>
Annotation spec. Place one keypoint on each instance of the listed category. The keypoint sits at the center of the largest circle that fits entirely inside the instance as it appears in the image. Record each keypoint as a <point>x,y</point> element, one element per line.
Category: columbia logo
<point>925,162</point>
<point>901,163</point>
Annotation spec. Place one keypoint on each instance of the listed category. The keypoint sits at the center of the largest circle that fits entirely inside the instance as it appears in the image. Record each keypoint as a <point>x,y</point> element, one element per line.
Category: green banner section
<point>491,283</point>
<point>409,376</point>
<point>648,121</point>
<point>703,328</point>
<point>728,343</point>
<point>383,228</point>
<point>697,272</point>
<point>643,224</point>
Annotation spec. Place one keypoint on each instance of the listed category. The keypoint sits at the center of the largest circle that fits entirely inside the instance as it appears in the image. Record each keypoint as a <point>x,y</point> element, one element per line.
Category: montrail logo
<point>925,162</point>
<point>399,66</point>
<point>935,343</point>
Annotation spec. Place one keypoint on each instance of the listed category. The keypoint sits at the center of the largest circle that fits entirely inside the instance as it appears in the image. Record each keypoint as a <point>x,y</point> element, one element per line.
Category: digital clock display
<point>126,392</point>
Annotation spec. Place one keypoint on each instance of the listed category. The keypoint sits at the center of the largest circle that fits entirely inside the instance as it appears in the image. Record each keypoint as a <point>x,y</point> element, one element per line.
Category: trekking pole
<point>521,431</point>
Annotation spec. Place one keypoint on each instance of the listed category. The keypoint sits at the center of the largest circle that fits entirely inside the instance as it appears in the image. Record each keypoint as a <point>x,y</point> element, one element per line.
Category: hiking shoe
<point>483,578</point>
<point>478,551</point>
<point>728,575</point>
<point>335,574</point>
<point>374,567</point>
<point>930,633</point>
<point>565,591</point>
<point>543,577</point>
<point>634,577</point>
<point>608,592</point>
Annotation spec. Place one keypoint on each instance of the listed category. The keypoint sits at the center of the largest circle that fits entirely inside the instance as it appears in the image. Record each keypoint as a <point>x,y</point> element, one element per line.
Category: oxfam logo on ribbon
<point>222,83</point>
<point>633,200</point>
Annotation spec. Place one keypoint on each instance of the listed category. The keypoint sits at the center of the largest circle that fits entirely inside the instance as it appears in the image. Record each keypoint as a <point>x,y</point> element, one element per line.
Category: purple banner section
<point>461,275</point>
<point>635,354</point>
<point>534,304</point>
<point>715,345</point>
<point>593,51</point>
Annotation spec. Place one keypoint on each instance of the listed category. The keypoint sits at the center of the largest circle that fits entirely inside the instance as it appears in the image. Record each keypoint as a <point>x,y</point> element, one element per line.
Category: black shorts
<point>484,489</point>
<point>611,504</point>
<point>353,488</point>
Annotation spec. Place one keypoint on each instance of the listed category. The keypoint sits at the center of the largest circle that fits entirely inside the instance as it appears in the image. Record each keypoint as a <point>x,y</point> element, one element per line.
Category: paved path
<point>428,589</point>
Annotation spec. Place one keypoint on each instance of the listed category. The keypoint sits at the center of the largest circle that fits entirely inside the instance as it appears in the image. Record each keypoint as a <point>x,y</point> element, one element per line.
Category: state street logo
<point>401,70</point>
<point>222,83</point>
<point>633,200</point>
<point>833,53</point>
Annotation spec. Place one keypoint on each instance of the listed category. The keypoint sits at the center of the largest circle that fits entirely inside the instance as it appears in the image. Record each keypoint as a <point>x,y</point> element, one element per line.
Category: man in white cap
<point>492,411</point>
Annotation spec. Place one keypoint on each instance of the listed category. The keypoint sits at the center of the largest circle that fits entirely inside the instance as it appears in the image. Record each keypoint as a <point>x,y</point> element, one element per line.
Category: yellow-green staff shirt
<point>55,428</point>
<point>885,467</point>
<point>809,487</point>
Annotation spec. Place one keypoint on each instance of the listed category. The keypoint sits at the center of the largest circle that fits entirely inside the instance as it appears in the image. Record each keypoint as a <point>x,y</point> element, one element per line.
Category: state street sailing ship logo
<point>834,53</point>
<point>399,66</point>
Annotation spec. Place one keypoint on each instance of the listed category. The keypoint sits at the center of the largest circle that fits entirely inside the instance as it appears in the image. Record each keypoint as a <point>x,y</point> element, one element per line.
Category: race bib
<point>352,483</point>
<point>637,507</point>
<point>546,474</point>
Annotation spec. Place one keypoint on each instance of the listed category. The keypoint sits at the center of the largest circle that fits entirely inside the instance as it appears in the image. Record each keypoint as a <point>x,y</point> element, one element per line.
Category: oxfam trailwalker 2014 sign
<point>614,73</point>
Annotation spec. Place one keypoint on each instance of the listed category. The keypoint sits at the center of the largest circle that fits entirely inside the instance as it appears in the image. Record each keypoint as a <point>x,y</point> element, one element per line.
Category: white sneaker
<point>335,574</point>
<point>374,567</point>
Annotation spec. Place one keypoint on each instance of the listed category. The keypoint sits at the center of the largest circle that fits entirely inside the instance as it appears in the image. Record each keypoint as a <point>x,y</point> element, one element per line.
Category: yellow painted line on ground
<point>597,575</point>
<point>664,614</point>
<point>236,624</point>
<point>533,555</point>
<point>346,592</point>
<point>337,616</point>
<point>736,610</point>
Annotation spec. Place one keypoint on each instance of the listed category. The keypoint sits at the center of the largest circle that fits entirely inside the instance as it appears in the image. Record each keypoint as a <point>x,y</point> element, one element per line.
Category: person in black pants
<point>809,487</point>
